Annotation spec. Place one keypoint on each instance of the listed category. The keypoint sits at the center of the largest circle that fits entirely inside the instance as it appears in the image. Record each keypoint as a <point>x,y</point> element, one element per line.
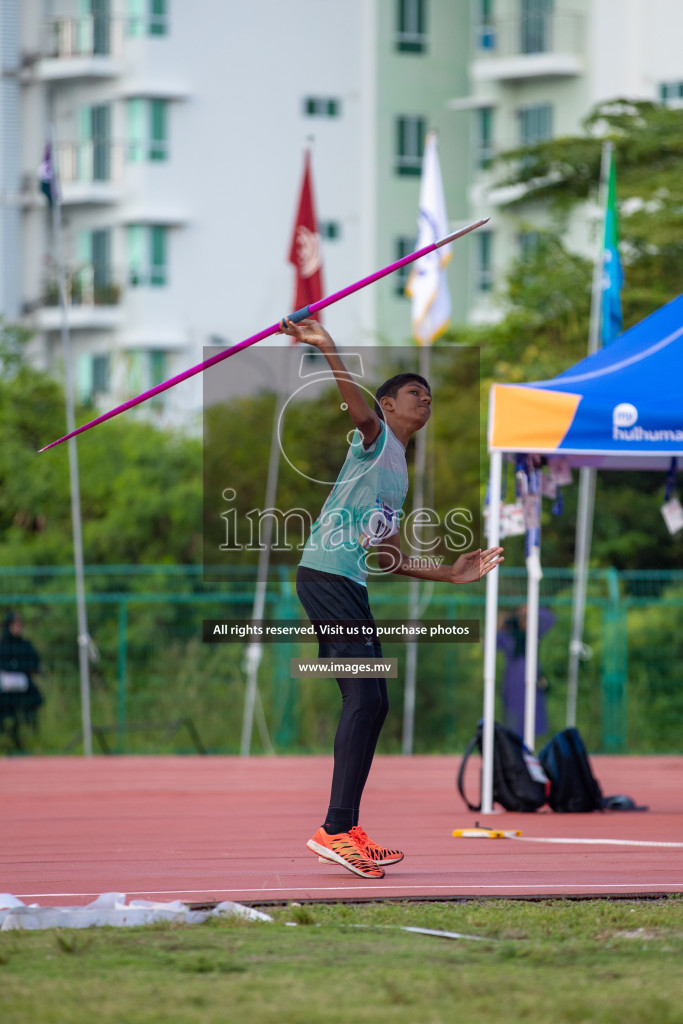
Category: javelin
<point>300,314</point>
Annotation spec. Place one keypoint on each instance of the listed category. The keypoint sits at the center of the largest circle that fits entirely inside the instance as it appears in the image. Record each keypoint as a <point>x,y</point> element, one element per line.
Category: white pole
<point>410,687</point>
<point>586,499</point>
<point>490,636</point>
<point>534,577</point>
<point>84,640</point>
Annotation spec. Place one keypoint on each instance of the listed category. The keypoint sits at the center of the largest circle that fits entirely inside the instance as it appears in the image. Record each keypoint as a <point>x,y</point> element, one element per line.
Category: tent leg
<point>534,576</point>
<point>490,631</point>
<point>584,530</point>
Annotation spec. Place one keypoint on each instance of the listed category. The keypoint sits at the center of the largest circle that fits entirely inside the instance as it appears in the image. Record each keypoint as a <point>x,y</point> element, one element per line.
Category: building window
<point>410,136</point>
<point>484,270</point>
<point>147,255</point>
<point>536,26</point>
<point>486,32</point>
<point>528,244</point>
<point>93,151</point>
<point>330,230</point>
<point>535,124</point>
<point>411,26</point>
<point>671,93</point>
<point>147,130</point>
<point>92,377</point>
<point>147,17</point>
<point>322,106</point>
<point>93,285</point>
<point>145,369</point>
<point>405,244</point>
<point>485,150</point>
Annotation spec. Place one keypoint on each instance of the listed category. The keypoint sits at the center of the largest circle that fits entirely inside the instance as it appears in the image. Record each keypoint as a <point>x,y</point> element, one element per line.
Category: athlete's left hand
<point>472,566</point>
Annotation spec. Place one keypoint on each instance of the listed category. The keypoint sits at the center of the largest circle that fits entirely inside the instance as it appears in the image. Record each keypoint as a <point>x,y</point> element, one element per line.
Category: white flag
<point>427,285</point>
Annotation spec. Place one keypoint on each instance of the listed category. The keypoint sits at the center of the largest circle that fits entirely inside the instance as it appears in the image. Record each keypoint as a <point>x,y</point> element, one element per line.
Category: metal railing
<point>155,669</point>
<point>551,32</point>
<point>90,161</point>
<point>83,36</point>
<point>86,285</point>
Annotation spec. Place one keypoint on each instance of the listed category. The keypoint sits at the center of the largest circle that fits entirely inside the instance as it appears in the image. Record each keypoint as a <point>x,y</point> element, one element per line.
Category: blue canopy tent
<point>620,408</point>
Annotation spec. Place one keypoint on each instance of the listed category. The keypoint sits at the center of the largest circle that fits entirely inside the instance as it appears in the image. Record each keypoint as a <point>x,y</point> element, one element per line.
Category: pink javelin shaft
<point>300,314</point>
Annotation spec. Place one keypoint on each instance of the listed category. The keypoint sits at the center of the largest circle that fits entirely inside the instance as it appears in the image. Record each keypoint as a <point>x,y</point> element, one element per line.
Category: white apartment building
<point>179,130</point>
<point>536,68</point>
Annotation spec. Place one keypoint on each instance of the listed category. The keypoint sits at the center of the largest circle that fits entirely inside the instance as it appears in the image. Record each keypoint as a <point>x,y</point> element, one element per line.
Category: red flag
<point>305,252</point>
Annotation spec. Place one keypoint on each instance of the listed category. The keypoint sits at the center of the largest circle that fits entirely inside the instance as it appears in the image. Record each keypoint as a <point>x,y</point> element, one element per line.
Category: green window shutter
<point>158,271</point>
<point>84,124</point>
<point>136,376</point>
<point>83,278</point>
<point>100,117</point>
<point>100,374</point>
<point>101,258</point>
<point>136,130</point>
<point>158,142</point>
<point>84,378</point>
<point>404,246</point>
<point>136,18</point>
<point>158,14</point>
<point>137,269</point>
<point>84,148</point>
<point>157,367</point>
<point>84,247</point>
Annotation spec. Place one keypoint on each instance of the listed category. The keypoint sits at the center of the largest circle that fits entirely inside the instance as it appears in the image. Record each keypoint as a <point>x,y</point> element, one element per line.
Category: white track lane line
<point>374,887</point>
<point>595,842</point>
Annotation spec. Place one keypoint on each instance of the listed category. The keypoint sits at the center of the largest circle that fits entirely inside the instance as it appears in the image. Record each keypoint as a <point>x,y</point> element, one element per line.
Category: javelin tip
<point>461,231</point>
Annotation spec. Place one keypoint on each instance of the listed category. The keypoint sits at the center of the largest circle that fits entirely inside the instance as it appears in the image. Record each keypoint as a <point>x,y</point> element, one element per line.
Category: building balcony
<point>81,47</point>
<point>90,172</point>
<point>93,302</point>
<point>548,44</point>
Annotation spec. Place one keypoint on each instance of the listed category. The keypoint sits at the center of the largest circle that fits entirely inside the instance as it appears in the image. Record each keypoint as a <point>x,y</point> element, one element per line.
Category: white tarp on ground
<point>111,909</point>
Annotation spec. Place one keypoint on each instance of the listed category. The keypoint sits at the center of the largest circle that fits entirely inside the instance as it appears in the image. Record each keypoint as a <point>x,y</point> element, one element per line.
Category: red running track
<point>219,828</point>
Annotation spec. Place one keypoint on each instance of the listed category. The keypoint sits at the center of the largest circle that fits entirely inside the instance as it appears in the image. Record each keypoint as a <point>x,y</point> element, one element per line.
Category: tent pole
<point>490,631</point>
<point>586,500</point>
<point>410,689</point>
<point>584,529</point>
<point>534,577</point>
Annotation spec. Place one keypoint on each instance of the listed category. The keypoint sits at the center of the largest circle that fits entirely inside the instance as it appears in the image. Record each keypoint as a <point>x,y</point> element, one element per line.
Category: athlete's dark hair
<point>392,386</point>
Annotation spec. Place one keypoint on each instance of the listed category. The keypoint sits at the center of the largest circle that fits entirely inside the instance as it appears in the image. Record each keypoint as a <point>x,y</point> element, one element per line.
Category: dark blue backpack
<point>573,787</point>
<point>519,783</point>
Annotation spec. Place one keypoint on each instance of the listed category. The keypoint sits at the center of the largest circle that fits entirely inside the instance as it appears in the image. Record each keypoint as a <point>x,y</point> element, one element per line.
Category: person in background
<point>20,697</point>
<point>512,642</point>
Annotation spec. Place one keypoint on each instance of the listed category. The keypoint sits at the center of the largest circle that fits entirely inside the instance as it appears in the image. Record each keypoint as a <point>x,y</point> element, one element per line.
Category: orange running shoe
<point>377,854</point>
<point>343,849</point>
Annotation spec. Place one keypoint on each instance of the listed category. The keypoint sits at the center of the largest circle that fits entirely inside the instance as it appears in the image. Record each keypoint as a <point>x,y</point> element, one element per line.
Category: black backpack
<point>519,783</point>
<point>573,787</point>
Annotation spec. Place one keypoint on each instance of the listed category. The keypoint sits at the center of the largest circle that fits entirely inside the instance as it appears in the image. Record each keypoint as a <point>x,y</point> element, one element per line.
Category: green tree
<point>547,301</point>
<point>140,486</point>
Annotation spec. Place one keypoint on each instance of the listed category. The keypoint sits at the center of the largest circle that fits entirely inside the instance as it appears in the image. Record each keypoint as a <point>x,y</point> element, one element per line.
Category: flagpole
<point>267,332</point>
<point>429,293</point>
<point>587,474</point>
<point>308,284</point>
<point>83,635</point>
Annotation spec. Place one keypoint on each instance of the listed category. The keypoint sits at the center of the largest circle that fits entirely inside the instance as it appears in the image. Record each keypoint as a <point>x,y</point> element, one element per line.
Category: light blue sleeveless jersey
<point>363,507</point>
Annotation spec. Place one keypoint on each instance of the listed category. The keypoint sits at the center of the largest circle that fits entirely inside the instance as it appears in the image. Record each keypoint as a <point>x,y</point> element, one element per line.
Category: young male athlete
<point>363,512</point>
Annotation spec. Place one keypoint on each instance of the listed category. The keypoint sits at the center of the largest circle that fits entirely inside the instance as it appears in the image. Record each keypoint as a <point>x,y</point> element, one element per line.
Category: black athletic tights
<point>365,702</point>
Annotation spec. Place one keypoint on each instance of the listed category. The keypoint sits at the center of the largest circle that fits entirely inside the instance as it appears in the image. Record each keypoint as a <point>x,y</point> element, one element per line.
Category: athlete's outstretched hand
<point>308,331</point>
<point>472,566</point>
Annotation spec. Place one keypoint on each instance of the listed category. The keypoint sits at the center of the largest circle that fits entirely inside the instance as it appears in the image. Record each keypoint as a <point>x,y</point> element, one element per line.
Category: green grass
<point>559,962</point>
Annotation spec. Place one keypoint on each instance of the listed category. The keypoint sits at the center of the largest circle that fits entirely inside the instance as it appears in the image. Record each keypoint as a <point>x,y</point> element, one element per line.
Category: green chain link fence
<point>157,688</point>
